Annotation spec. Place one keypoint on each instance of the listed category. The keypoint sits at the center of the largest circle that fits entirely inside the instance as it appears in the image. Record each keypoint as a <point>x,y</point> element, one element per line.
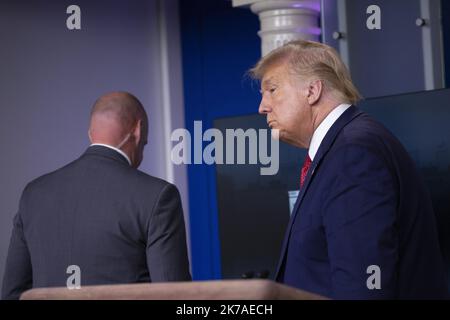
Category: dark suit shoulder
<point>93,173</point>
<point>140,182</point>
<point>46,179</point>
<point>366,132</point>
<point>144,178</point>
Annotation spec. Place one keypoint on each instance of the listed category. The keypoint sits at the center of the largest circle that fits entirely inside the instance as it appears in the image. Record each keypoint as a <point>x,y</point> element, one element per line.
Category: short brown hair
<point>312,59</point>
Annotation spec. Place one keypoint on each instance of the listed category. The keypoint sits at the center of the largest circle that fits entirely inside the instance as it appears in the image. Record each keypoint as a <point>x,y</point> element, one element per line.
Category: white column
<point>341,35</point>
<point>284,20</point>
<point>172,102</point>
<point>430,23</point>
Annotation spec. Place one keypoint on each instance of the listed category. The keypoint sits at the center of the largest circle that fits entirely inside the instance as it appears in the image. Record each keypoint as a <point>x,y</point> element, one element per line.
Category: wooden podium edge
<point>196,290</point>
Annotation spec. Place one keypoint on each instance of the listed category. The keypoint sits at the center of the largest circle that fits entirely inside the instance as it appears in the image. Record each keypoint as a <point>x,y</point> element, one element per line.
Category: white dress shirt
<point>113,148</point>
<point>323,128</point>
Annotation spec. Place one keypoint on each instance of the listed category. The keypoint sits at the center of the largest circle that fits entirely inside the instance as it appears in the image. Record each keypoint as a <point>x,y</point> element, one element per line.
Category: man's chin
<point>278,135</point>
<point>275,134</point>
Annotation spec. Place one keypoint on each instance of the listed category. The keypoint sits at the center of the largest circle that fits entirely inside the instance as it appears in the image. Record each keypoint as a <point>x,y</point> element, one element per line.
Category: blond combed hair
<point>312,60</point>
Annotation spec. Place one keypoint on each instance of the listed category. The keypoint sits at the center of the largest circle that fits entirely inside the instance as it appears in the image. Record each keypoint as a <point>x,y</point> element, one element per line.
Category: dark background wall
<point>396,49</point>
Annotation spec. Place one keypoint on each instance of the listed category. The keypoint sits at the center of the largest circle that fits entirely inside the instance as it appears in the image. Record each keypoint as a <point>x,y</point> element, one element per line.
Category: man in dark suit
<point>363,226</point>
<point>99,213</point>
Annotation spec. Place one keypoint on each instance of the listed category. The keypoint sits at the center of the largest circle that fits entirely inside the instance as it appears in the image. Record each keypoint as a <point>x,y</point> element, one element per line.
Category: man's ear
<point>137,132</point>
<point>315,89</point>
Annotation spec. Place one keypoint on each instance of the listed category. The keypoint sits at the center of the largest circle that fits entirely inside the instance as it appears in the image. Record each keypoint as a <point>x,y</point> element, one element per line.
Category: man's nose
<point>264,107</point>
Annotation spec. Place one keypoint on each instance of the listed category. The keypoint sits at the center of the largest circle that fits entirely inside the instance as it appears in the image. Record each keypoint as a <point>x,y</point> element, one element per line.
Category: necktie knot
<point>305,169</point>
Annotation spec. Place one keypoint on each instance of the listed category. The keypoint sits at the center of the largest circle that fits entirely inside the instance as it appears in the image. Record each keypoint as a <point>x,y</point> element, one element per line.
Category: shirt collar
<point>113,148</point>
<point>323,128</point>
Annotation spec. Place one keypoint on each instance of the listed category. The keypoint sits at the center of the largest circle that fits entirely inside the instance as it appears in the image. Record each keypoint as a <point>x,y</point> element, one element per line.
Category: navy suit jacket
<point>363,204</point>
<point>118,224</point>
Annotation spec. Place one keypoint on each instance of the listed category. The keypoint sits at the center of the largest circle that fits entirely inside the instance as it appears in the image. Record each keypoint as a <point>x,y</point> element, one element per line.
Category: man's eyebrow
<point>267,82</point>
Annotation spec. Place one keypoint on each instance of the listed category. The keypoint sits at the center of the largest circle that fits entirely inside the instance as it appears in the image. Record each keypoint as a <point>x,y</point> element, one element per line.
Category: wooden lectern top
<point>196,290</point>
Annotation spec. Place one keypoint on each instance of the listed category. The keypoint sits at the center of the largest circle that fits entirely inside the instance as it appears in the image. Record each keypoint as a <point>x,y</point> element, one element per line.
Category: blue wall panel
<point>219,44</point>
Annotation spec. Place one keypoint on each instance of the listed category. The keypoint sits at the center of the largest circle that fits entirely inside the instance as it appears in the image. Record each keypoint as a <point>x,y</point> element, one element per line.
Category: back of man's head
<point>312,61</point>
<point>118,119</point>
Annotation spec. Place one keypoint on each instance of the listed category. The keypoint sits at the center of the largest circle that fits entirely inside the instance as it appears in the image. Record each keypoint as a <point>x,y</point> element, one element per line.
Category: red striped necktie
<point>305,169</point>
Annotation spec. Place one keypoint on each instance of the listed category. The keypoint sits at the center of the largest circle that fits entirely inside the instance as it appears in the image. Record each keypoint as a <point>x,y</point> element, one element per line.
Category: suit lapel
<point>349,114</point>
